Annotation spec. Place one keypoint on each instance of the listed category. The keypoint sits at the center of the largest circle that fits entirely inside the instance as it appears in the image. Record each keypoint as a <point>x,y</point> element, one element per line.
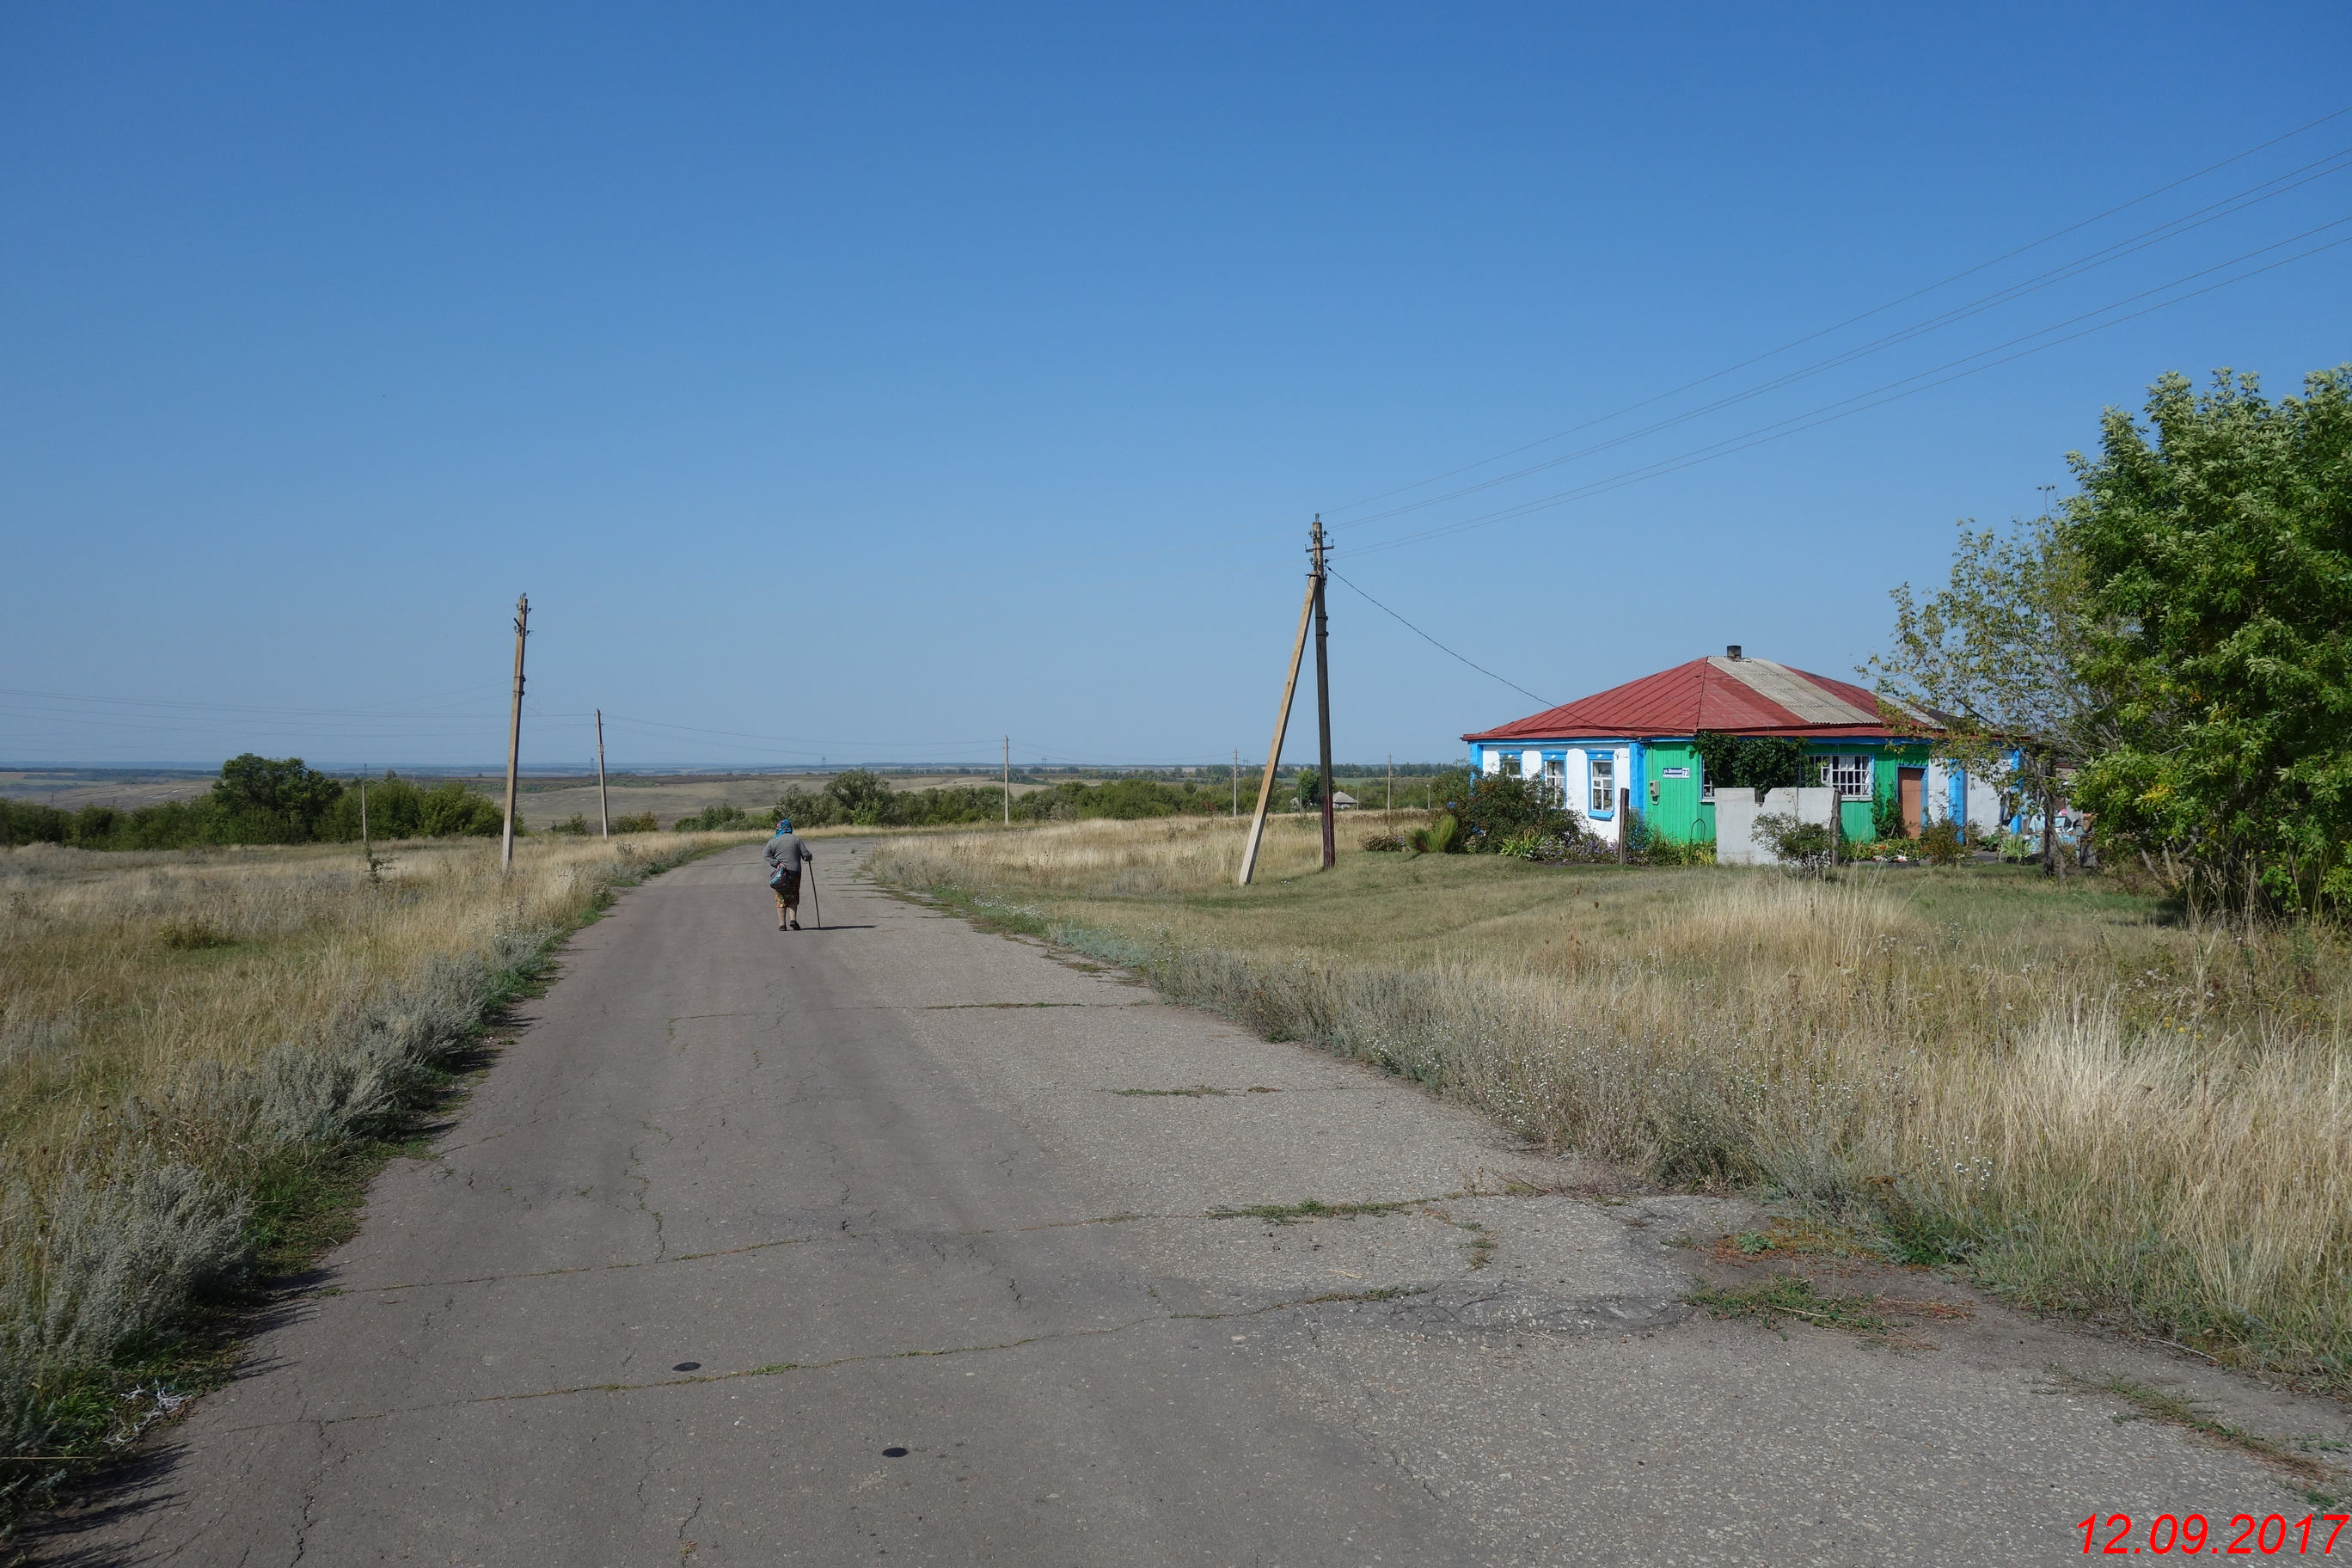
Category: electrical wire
<point>1851,321</point>
<point>1441,646</point>
<point>1831,412</point>
<point>2066,271</point>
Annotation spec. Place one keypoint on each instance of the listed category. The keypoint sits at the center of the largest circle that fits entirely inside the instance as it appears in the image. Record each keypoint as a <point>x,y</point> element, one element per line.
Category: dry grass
<point>1160,855</point>
<point>2096,1107</point>
<point>175,1027</point>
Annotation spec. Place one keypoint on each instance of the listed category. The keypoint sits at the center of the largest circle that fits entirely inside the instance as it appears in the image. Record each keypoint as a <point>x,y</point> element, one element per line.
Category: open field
<point>2091,1105</point>
<point>126,789</point>
<point>189,1041</point>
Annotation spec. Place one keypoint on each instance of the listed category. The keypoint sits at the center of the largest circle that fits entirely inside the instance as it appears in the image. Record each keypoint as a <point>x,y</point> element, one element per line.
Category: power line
<point>2228,206</point>
<point>1442,648</point>
<point>1830,413</point>
<point>1851,321</point>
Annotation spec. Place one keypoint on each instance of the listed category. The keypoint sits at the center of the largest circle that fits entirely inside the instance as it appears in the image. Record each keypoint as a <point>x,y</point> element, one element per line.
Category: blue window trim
<point>1591,753</point>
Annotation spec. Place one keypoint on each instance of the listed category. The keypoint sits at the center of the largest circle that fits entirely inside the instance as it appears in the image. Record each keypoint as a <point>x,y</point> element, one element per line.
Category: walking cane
<point>816,906</point>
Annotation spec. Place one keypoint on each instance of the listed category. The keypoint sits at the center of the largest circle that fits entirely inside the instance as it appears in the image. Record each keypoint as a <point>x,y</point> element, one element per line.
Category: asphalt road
<point>889,1242</point>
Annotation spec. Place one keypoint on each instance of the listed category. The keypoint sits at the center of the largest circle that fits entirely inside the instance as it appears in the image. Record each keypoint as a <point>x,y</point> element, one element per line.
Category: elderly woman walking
<point>786,855</point>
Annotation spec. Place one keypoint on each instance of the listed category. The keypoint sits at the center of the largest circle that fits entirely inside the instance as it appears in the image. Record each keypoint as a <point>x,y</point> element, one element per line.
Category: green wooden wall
<point>1678,813</point>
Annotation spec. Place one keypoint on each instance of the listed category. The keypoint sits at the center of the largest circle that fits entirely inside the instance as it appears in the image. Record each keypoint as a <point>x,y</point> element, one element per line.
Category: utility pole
<point>604,803</point>
<point>1008,781</point>
<point>1323,695</point>
<point>1237,783</point>
<point>514,732</point>
<point>1281,728</point>
<point>1389,820</point>
<point>367,850</point>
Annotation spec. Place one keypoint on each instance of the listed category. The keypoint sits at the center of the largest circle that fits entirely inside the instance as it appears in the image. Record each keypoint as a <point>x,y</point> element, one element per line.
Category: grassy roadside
<point>2085,1104</point>
<point>204,1059</point>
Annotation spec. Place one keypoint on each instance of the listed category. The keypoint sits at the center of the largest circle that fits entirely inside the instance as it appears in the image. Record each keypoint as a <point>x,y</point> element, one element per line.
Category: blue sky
<point>871,383</point>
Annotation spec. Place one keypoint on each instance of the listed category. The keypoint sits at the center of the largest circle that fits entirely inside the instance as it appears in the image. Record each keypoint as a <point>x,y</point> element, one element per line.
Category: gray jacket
<point>785,850</point>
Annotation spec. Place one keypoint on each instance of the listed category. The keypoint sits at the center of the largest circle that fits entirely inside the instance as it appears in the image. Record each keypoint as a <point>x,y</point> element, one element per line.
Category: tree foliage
<point>2216,560</point>
<point>1994,663</point>
<point>1749,762</point>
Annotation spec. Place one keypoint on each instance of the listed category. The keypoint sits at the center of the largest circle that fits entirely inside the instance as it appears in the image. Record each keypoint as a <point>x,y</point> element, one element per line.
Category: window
<point>1555,778</point>
<point>1603,794</point>
<point>1510,765</point>
<point>1850,775</point>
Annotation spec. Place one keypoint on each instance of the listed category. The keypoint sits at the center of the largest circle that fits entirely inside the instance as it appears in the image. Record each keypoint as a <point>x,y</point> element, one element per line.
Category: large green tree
<point>2216,554</point>
<point>261,800</point>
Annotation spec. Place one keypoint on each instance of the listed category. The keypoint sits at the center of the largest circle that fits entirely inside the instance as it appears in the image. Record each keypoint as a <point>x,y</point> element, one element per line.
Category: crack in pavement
<point>1462,1314</point>
<point>1270,1213</point>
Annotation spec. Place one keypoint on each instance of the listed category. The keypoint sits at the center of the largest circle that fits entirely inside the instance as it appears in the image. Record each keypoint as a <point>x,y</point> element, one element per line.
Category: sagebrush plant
<point>2087,1105</point>
<point>174,1027</point>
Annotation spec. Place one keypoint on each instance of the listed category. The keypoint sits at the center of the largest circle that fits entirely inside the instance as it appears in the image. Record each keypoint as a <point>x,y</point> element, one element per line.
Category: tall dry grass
<point>174,1027</point>
<point>2093,1106</point>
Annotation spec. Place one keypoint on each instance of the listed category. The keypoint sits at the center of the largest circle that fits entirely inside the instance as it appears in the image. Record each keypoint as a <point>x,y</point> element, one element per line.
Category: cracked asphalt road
<point>740,1214</point>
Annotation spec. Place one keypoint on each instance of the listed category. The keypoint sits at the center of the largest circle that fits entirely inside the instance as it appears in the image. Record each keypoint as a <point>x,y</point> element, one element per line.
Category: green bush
<point>1802,847</point>
<point>1438,838</point>
<point>640,822</point>
<point>1939,841</point>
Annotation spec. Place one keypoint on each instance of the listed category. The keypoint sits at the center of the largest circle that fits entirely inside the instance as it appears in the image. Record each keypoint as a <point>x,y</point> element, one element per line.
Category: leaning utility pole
<point>1008,781</point>
<point>604,803</point>
<point>1281,728</point>
<point>1323,694</point>
<point>514,732</point>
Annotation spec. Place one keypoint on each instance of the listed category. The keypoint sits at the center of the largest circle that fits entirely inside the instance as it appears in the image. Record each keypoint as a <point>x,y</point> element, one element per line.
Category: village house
<point>1637,744</point>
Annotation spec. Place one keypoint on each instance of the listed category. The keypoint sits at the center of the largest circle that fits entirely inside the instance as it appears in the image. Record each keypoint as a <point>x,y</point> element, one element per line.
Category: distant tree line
<point>262,800</point>
<point>862,798</point>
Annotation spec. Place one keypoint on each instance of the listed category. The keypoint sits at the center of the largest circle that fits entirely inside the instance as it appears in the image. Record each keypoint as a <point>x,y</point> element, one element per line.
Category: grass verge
<point>183,1122</point>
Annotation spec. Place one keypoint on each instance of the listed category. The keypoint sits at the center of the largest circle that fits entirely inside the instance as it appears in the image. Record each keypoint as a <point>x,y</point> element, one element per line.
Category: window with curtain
<point>1604,794</point>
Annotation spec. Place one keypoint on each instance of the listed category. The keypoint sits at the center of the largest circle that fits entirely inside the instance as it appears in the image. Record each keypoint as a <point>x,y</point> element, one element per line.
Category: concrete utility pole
<point>1008,781</point>
<point>514,732</point>
<point>604,803</point>
<point>1281,728</point>
<point>1323,695</point>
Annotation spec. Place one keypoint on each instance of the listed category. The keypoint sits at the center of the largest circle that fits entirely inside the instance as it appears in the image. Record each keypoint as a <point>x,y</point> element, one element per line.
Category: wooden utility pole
<point>1281,728</point>
<point>604,803</point>
<point>1008,781</point>
<point>1625,823</point>
<point>514,732</point>
<point>1323,695</point>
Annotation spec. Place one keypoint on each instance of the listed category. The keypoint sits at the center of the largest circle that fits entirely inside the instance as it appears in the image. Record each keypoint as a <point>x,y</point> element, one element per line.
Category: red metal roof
<point>1738,697</point>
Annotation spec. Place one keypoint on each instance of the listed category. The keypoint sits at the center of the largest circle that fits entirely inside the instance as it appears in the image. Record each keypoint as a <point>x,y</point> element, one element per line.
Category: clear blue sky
<point>870,383</point>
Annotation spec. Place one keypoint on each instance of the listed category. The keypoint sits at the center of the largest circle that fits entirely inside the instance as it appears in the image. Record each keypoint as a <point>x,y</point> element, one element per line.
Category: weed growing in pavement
<point>1779,1295</point>
<point>2171,1409</point>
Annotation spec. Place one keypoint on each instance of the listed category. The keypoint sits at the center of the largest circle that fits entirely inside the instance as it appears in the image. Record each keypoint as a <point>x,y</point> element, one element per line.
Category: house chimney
<point>1731,650</point>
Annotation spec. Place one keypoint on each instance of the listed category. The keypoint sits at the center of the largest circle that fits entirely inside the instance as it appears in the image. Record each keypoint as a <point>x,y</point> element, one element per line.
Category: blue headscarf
<point>783,827</point>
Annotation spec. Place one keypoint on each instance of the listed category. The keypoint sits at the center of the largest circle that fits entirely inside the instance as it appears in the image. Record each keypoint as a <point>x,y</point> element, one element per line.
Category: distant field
<point>2084,1100</point>
<point>70,791</point>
